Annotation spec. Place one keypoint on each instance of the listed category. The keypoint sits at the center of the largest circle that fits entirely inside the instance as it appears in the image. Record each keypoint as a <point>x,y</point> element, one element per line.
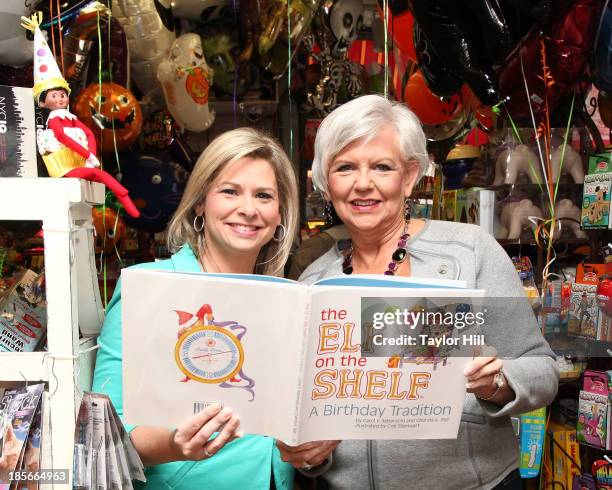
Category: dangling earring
<point>198,227</point>
<point>407,209</point>
<point>283,233</point>
<point>327,213</point>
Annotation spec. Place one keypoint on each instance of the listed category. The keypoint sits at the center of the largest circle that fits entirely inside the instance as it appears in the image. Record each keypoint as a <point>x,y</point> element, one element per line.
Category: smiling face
<point>55,99</point>
<point>107,110</point>
<point>241,208</point>
<point>369,183</point>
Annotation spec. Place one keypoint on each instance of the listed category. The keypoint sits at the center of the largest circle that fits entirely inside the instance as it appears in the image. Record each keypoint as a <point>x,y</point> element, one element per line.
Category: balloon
<point>114,110</point>
<point>149,27</point>
<point>185,79</point>
<point>438,77</point>
<point>454,129</point>
<point>80,49</point>
<point>15,48</point>
<point>455,38</point>
<point>568,41</point>
<point>221,46</point>
<point>156,184</point>
<point>396,7</point>
<point>110,229</point>
<point>604,104</point>
<point>201,10</point>
<point>273,46</point>
<point>430,108</point>
<point>602,69</point>
<point>493,28</point>
<point>482,113</point>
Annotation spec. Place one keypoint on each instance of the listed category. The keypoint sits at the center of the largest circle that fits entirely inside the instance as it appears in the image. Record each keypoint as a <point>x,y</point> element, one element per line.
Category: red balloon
<point>483,113</point>
<point>568,41</point>
<point>430,108</point>
<point>401,30</point>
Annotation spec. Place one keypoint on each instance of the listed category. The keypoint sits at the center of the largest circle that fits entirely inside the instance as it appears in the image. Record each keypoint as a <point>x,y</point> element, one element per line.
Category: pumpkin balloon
<point>110,229</point>
<point>113,109</point>
<point>430,108</point>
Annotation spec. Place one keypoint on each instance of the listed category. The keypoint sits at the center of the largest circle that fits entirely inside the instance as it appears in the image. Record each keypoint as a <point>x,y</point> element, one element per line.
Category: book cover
<point>17,133</point>
<point>243,340</point>
<point>20,405</point>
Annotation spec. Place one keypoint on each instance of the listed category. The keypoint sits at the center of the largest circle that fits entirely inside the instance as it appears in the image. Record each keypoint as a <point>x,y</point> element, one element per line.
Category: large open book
<point>297,362</point>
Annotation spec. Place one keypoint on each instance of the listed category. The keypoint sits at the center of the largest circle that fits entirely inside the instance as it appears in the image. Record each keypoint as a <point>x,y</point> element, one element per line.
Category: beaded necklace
<point>400,254</point>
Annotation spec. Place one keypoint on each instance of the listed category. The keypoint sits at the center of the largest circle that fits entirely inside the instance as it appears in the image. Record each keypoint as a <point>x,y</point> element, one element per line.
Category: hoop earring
<point>327,213</point>
<point>200,227</point>
<point>284,233</point>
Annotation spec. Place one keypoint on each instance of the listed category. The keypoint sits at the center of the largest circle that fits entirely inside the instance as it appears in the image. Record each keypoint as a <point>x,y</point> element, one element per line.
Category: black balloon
<point>493,27</point>
<point>439,78</point>
<point>602,69</point>
<point>455,37</point>
<point>156,184</point>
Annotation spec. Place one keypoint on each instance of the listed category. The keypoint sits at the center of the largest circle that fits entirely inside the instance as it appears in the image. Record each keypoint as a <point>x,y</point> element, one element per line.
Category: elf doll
<point>67,146</point>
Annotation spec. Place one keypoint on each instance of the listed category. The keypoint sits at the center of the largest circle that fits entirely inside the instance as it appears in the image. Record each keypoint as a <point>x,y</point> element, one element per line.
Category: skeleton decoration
<point>336,26</point>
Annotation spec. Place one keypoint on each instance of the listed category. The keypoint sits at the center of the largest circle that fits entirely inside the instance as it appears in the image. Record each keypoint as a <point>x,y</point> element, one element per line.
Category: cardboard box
<point>17,133</point>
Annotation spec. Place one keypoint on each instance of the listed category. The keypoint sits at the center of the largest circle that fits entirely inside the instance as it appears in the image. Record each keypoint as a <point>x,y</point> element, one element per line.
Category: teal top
<point>245,463</point>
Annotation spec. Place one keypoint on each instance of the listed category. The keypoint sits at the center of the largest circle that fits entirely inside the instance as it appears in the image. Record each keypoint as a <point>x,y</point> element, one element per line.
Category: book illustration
<point>210,351</point>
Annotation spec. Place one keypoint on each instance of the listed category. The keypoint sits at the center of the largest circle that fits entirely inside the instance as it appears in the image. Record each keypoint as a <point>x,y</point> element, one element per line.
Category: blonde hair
<point>362,118</point>
<point>222,151</point>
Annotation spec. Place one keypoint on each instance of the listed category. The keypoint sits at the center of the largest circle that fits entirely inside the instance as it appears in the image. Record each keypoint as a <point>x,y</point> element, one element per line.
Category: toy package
<point>23,314</point>
<point>480,209</point>
<point>602,470</point>
<point>596,201</point>
<point>593,409</point>
<point>600,163</point>
<point>583,310</point>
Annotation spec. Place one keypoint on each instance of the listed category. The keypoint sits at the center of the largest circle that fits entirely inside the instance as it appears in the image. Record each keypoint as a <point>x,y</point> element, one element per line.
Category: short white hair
<point>363,118</point>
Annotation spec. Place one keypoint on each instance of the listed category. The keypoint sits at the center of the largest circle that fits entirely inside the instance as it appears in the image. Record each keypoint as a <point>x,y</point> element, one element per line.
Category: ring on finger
<point>207,454</point>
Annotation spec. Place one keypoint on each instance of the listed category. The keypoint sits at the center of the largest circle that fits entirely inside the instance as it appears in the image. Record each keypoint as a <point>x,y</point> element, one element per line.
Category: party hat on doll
<point>47,74</point>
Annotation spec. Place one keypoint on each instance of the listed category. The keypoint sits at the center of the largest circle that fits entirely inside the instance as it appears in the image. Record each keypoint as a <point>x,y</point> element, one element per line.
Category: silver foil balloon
<point>149,27</point>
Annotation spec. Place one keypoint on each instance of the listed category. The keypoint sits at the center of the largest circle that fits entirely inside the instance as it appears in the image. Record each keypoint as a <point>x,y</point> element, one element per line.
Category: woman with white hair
<point>369,154</point>
<point>238,215</point>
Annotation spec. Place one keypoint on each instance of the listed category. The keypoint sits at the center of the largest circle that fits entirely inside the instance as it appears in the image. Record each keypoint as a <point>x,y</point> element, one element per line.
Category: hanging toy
<point>67,146</point>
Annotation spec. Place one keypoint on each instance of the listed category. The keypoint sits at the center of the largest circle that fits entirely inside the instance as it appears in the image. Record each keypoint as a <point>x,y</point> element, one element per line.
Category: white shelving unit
<point>73,298</point>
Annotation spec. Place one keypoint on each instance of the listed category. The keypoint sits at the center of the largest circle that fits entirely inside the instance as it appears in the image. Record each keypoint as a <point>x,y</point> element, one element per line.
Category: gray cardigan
<point>486,449</point>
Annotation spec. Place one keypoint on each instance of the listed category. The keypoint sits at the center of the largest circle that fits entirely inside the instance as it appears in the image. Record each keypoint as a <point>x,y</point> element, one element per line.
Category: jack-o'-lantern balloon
<point>113,109</point>
<point>430,108</point>
<point>110,229</point>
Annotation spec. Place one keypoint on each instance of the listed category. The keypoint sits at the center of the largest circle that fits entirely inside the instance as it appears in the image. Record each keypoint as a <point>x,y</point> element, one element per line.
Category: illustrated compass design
<point>211,352</point>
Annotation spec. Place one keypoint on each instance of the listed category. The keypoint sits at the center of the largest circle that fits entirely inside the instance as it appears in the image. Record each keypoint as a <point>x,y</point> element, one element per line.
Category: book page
<point>196,339</point>
<point>355,389</point>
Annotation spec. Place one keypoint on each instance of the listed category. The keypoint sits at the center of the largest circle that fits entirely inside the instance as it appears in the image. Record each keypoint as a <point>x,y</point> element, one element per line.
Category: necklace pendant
<point>399,255</point>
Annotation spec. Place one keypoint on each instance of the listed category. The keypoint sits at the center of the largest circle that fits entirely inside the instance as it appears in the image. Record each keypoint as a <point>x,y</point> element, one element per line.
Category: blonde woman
<point>238,215</point>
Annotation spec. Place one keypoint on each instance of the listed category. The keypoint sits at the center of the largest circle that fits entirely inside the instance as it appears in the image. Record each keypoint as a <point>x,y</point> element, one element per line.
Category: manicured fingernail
<point>215,407</point>
<point>240,434</point>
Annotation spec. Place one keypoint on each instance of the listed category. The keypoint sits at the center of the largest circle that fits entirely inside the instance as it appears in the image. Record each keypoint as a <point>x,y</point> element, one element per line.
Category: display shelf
<point>73,299</point>
<point>23,366</point>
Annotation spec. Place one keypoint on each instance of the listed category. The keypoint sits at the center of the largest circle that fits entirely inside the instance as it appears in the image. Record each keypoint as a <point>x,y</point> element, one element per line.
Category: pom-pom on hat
<point>47,74</point>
